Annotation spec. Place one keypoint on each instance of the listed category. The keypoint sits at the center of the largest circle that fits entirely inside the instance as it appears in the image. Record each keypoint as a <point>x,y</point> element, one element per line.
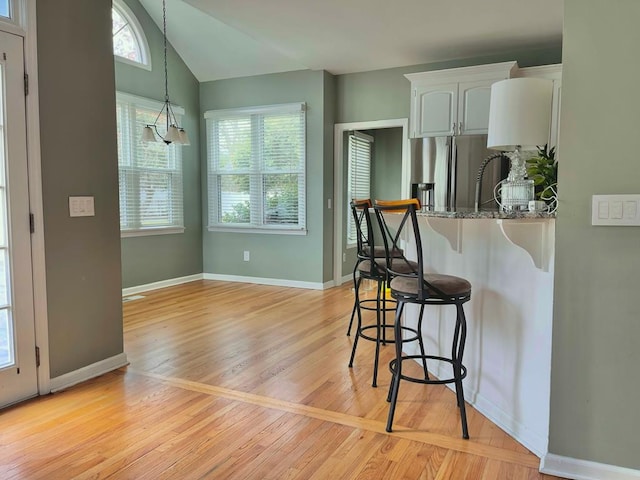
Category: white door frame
<point>338,178</point>
<point>35,199</point>
<point>26,27</point>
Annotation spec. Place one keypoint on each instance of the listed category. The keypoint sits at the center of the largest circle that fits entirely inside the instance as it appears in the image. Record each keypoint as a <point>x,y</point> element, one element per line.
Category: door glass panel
<point>4,9</point>
<point>7,337</point>
<point>6,340</point>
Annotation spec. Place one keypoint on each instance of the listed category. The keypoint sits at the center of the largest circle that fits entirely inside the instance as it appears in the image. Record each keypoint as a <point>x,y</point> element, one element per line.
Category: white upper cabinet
<point>473,107</point>
<point>454,101</point>
<point>436,110</point>
<point>554,73</point>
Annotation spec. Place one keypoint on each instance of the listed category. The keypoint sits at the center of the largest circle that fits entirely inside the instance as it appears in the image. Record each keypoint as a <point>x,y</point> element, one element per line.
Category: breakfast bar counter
<point>508,258</point>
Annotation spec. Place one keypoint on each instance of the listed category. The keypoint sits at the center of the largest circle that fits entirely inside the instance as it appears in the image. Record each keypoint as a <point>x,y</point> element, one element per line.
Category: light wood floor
<point>242,381</point>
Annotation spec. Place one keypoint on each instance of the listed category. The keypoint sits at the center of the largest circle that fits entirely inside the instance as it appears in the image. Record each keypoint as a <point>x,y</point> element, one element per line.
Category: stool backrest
<point>397,219</point>
<point>365,242</point>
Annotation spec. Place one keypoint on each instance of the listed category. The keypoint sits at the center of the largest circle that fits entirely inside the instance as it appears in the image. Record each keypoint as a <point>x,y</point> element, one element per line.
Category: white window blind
<point>256,159</point>
<point>150,174</point>
<point>359,175</point>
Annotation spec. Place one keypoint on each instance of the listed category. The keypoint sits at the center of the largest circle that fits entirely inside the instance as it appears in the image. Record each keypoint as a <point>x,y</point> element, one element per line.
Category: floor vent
<point>131,297</point>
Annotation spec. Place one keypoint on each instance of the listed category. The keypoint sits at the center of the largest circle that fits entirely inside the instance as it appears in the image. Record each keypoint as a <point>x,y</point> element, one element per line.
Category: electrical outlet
<point>247,256</point>
<point>344,257</point>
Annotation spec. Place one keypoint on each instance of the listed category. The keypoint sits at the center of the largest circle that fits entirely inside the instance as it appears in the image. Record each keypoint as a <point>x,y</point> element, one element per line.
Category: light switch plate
<point>615,210</point>
<point>81,207</point>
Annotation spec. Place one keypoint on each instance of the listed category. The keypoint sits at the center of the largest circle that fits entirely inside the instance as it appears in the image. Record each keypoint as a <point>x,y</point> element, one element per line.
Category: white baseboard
<point>536,443</point>
<point>161,284</point>
<point>533,441</point>
<point>584,470</point>
<point>90,371</point>
<point>279,282</point>
<point>346,278</point>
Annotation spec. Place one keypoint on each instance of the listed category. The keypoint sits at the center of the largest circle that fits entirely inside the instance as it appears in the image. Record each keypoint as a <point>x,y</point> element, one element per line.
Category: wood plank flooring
<point>239,381</point>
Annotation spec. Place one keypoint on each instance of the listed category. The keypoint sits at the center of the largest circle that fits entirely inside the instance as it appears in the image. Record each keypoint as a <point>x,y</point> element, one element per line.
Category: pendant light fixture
<point>174,132</point>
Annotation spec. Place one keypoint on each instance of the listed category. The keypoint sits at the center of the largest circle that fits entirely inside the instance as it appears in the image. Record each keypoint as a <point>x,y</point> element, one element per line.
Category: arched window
<point>129,42</point>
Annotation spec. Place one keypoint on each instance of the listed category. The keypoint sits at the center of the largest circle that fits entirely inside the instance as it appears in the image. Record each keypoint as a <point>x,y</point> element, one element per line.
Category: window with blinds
<point>256,168</point>
<point>359,176</point>
<point>150,174</point>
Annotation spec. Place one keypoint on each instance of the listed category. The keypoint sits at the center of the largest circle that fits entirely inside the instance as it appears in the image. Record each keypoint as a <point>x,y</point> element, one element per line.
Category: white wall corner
<point>86,373</point>
<point>577,469</point>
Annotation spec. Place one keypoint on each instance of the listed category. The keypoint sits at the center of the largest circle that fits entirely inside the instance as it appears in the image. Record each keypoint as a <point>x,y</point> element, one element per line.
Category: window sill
<point>126,61</point>
<point>268,231</point>
<point>146,232</point>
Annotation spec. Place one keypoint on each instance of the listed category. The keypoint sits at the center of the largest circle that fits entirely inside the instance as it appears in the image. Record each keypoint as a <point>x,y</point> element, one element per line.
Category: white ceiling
<point>226,39</point>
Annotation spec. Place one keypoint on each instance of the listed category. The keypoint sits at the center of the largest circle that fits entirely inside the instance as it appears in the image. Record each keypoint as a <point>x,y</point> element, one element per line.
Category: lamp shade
<point>520,114</point>
<point>184,138</point>
<point>172,136</point>
<point>147,135</point>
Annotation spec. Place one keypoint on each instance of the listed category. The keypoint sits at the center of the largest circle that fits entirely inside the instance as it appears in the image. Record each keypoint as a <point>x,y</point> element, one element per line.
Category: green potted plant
<point>543,170</point>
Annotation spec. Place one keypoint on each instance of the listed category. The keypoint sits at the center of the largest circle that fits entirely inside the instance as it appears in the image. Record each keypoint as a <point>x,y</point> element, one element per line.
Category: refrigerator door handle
<point>453,174</point>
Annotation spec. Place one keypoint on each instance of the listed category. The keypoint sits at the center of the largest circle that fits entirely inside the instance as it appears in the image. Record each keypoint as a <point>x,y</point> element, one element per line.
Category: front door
<point>18,375</point>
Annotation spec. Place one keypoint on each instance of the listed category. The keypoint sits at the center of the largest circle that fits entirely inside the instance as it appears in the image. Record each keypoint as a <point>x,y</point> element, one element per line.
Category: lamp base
<point>515,194</point>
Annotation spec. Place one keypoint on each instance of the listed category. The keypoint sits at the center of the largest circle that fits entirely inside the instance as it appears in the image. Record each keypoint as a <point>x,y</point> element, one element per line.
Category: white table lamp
<point>519,121</point>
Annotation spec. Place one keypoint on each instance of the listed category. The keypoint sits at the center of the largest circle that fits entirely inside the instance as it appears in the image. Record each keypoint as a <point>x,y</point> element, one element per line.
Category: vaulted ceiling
<point>225,39</point>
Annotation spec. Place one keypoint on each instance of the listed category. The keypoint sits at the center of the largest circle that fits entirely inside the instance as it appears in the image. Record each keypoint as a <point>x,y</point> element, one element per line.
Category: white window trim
<point>145,52</point>
<point>268,231</point>
<point>17,24</point>
<point>243,111</point>
<point>148,102</point>
<point>152,105</point>
<point>146,232</point>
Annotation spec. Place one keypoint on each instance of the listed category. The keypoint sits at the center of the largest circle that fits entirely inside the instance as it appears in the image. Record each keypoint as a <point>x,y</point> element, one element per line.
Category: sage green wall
<point>159,257</point>
<point>290,257</point>
<point>595,391</point>
<point>77,99</point>
<point>386,164</point>
<point>384,94</point>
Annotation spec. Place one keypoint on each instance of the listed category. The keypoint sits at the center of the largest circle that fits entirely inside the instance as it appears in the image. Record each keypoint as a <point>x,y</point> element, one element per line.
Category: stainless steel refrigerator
<point>445,170</point>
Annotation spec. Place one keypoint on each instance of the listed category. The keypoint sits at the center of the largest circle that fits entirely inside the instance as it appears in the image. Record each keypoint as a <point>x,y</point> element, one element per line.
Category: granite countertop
<point>472,213</point>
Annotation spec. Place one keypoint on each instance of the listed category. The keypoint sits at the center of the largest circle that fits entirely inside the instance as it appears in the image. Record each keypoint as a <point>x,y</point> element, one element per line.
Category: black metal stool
<point>364,248</point>
<point>422,289</point>
<point>372,267</point>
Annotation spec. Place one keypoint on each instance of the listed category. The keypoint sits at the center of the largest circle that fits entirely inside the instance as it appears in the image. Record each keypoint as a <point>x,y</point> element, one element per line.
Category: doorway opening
<point>388,179</point>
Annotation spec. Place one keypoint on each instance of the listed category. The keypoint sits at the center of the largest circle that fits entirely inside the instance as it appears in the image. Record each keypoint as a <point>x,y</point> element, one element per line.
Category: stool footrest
<point>412,338</point>
<point>431,381</point>
<point>364,305</point>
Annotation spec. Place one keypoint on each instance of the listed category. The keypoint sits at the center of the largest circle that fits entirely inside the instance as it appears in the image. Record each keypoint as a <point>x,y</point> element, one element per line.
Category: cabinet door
<point>473,107</point>
<point>554,137</point>
<point>435,109</point>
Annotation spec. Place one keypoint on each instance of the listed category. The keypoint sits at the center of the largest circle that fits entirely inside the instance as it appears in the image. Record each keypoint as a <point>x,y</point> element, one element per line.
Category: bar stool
<point>363,247</point>
<point>417,287</point>
<point>372,265</point>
